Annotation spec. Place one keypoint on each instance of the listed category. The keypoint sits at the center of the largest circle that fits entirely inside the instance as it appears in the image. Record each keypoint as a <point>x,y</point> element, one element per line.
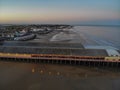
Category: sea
<point>102,35</point>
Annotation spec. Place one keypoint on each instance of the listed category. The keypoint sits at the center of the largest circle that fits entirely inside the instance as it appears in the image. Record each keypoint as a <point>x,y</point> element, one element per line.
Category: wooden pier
<point>60,59</point>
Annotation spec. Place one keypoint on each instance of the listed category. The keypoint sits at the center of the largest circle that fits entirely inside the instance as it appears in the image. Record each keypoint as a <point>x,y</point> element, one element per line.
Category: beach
<point>28,76</point>
<point>86,35</point>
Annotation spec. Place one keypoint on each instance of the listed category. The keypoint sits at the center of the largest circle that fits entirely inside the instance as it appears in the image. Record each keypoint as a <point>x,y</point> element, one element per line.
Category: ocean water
<point>102,35</point>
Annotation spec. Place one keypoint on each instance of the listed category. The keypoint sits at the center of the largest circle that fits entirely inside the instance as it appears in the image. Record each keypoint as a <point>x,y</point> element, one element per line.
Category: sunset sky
<point>96,12</point>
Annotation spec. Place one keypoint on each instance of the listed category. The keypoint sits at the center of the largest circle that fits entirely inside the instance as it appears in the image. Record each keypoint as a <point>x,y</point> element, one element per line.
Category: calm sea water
<point>109,36</point>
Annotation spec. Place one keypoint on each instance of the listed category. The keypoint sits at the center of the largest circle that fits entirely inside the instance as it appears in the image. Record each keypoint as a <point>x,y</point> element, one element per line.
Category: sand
<point>25,76</point>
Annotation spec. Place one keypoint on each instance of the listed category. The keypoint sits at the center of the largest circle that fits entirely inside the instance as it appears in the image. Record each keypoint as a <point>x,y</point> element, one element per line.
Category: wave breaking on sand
<point>63,36</point>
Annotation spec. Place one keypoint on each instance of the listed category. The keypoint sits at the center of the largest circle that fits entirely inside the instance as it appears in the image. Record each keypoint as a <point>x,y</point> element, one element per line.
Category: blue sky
<point>105,12</point>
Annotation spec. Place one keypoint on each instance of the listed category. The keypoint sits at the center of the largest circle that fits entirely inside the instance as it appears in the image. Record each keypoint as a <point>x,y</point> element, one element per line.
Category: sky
<point>93,12</point>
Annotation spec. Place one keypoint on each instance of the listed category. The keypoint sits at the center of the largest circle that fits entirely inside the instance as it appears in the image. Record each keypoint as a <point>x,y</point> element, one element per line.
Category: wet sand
<point>25,76</point>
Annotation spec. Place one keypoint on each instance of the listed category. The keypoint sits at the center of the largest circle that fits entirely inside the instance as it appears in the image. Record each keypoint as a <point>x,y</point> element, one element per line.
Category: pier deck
<point>59,53</point>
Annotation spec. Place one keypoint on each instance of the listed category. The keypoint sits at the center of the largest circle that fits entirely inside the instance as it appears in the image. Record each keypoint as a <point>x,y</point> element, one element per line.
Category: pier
<point>56,53</point>
<point>60,59</point>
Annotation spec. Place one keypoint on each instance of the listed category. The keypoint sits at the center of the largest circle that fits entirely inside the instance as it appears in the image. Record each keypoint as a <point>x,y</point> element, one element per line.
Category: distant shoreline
<point>64,24</point>
<point>100,25</point>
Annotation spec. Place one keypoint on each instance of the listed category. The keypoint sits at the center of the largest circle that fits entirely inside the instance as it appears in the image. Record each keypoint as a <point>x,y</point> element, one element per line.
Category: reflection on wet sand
<point>57,73</point>
<point>33,70</point>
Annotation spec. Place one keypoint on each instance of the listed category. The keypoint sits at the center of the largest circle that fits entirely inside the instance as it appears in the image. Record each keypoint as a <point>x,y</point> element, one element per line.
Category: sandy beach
<point>25,76</point>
